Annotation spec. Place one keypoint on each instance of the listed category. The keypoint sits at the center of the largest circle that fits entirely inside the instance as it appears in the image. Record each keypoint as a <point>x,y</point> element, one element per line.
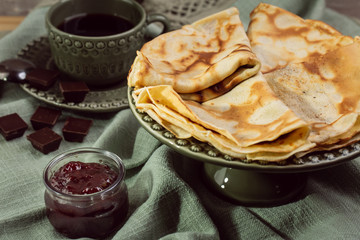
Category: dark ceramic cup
<point>98,60</point>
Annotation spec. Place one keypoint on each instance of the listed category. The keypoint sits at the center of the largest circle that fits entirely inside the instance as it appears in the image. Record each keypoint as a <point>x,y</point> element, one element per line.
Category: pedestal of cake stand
<point>255,188</point>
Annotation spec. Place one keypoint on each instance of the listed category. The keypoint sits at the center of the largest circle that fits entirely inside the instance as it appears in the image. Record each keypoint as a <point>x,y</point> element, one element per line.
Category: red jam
<point>83,178</point>
<point>90,205</point>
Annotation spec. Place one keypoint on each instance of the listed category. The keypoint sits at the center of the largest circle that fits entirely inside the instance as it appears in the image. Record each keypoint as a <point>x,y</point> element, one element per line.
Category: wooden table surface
<point>8,23</point>
<point>12,12</point>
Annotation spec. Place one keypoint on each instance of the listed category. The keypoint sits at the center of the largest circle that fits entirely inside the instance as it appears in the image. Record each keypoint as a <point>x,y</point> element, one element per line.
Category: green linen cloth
<point>168,199</point>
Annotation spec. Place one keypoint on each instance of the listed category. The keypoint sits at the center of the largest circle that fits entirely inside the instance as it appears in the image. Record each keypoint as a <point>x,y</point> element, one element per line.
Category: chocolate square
<point>16,69</point>
<point>12,126</point>
<point>45,140</point>
<point>73,91</point>
<point>42,79</point>
<point>75,129</point>
<point>44,117</point>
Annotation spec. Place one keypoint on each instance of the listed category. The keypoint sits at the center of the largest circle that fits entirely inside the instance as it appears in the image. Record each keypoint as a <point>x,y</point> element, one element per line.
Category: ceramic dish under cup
<point>244,181</point>
<point>109,99</point>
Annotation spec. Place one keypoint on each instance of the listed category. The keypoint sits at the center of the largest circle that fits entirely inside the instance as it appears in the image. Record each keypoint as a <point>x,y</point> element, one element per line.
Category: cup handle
<point>154,31</point>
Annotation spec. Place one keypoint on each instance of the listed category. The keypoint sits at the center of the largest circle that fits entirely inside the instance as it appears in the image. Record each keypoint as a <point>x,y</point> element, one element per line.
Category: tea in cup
<point>96,41</point>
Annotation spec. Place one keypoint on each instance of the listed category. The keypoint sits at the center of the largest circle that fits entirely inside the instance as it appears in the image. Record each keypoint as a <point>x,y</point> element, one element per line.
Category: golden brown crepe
<point>279,37</point>
<point>243,122</point>
<point>202,60</point>
<point>324,93</point>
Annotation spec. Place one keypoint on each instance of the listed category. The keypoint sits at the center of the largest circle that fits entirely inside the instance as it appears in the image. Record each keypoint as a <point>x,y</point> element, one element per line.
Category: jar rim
<point>61,156</point>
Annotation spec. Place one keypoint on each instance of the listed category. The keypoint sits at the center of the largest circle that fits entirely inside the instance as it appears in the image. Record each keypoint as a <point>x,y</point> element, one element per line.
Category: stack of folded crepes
<point>286,87</point>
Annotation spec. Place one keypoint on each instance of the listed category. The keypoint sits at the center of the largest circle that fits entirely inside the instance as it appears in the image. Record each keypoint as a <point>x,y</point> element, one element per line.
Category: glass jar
<point>92,215</point>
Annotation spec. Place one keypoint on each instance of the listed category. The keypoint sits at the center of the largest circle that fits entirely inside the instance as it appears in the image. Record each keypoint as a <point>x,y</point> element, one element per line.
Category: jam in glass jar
<point>85,194</point>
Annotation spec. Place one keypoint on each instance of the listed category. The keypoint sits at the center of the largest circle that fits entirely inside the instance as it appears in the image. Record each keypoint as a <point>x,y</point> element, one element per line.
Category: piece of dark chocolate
<point>73,91</point>
<point>75,129</point>
<point>12,126</point>
<point>15,69</point>
<point>42,79</point>
<point>44,117</point>
<point>45,140</point>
